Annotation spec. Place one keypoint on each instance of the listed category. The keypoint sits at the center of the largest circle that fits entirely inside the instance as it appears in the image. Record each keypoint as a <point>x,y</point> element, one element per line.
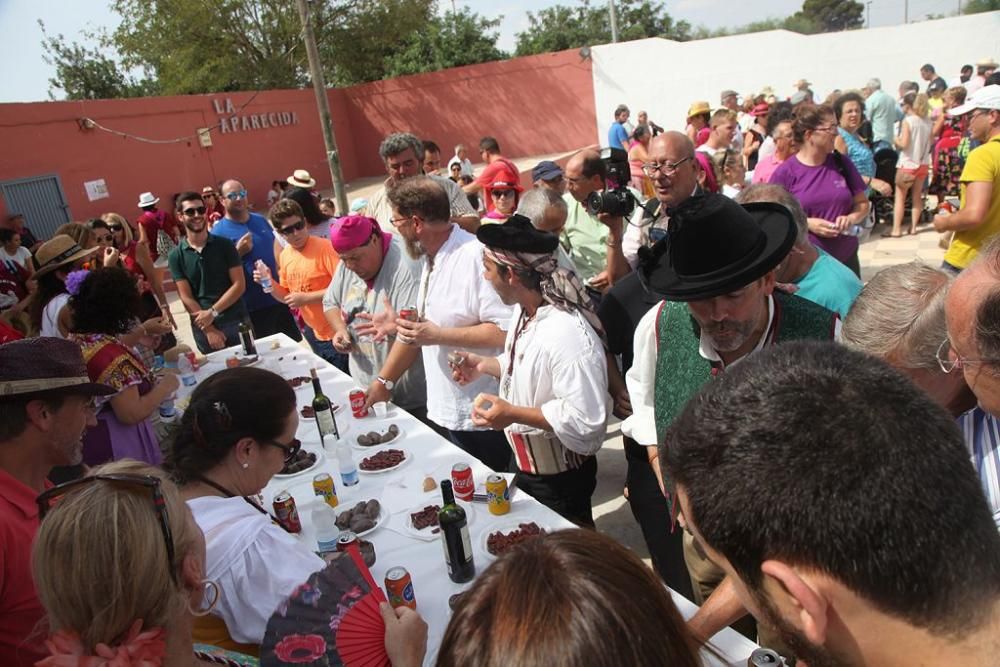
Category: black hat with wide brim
<point>715,246</point>
<point>517,234</point>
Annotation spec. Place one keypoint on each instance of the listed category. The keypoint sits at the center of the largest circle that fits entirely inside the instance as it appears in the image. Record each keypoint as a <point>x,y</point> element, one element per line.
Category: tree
<point>560,27</point>
<point>978,6</point>
<point>452,40</point>
<point>830,15</point>
<point>85,73</point>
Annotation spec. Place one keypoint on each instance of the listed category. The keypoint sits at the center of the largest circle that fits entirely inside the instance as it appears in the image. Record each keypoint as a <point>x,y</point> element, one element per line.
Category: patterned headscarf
<point>560,287</point>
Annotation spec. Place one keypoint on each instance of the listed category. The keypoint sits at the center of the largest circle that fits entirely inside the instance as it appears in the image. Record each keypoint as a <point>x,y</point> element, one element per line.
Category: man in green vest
<point>716,270</point>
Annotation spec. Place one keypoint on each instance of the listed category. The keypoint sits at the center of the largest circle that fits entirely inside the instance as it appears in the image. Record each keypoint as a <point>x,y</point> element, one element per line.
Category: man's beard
<point>737,333</point>
<point>802,649</point>
<point>414,249</point>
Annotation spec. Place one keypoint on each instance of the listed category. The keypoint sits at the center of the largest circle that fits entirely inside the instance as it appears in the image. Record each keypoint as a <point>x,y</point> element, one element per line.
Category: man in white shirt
<point>456,309</point>
<point>461,158</point>
<point>553,402</point>
<point>403,155</point>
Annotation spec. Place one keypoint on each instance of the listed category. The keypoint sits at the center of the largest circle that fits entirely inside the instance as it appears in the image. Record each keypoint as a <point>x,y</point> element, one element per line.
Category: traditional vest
<point>681,370</point>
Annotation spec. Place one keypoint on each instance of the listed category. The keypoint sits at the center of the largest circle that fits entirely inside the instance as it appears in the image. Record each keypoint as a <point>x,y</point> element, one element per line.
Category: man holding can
<point>553,402</point>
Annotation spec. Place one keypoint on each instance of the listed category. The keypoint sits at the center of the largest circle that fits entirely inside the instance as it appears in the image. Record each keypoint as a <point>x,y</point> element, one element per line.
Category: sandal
<point>889,235</point>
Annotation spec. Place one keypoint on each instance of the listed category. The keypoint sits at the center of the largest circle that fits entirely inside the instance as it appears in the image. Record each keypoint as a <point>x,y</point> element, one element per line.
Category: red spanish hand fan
<point>332,620</point>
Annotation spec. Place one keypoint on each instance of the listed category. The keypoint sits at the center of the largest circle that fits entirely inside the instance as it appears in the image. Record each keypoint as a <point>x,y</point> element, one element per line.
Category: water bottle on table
<point>186,370</point>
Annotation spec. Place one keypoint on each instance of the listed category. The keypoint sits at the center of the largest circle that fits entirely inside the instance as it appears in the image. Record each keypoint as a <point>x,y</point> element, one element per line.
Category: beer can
<point>399,587</point>
<point>497,496</point>
<point>287,514</point>
<point>357,398</point>
<point>323,486</point>
<point>765,657</point>
<point>461,481</point>
<point>346,539</point>
<point>409,313</point>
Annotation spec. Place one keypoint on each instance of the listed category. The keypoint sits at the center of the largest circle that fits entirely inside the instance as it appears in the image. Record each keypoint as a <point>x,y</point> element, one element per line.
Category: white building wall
<point>664,77</point>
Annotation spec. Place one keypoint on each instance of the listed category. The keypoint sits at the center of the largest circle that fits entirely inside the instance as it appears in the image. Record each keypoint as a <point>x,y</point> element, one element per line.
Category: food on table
<point>499,542</point>
<point>233,362</point>
<point>361,517</point>
<point>430,483</point>
<point>275,344</point>
<point>297,382</point>
<point>389,458</point>
<point>373,438</point>
<point>425,518</point>
<point>308,412</point>
<point>303,461</point>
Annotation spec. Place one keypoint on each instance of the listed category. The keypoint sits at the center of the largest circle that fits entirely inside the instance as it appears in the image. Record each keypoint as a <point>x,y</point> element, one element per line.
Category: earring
<point>206,584</point>
<point>246,465</point>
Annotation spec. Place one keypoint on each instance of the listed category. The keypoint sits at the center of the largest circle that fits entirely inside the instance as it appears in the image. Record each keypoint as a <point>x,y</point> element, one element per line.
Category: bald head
<point>676,142</point>
<point>673,152</point>
<point>236,209</point>
<point>585,174</point>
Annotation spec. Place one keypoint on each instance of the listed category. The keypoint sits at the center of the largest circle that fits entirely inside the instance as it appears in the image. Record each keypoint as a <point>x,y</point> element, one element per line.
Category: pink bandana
<point>353,231</point>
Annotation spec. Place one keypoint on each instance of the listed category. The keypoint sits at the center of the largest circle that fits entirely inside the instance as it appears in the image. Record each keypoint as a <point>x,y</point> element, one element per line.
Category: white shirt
<point>454,293</point>
<point>255,563</point>
<point>466,165</point>
<point>50,316</point>
<point>21,256</point>
<point>559,367</point>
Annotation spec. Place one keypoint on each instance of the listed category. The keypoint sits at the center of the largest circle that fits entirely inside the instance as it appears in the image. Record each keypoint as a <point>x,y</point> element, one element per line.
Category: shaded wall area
<point>532,105</point>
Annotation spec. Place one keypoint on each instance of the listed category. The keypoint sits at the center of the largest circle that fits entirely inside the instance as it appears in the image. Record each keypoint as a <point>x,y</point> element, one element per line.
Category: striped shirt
<point>982,436</point>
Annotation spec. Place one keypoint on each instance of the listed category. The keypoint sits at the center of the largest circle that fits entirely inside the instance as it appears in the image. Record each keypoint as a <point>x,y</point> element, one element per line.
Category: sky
<point>24,74</point>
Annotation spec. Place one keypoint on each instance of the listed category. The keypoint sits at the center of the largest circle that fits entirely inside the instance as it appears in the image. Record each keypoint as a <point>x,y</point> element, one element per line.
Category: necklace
<point>229,494</point>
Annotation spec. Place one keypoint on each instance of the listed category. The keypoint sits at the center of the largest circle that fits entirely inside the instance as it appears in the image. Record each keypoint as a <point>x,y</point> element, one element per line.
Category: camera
<point>615,199</point>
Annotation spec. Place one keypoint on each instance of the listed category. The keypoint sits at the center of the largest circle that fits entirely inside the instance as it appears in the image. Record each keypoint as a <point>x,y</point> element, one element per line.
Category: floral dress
<point>948,162</point>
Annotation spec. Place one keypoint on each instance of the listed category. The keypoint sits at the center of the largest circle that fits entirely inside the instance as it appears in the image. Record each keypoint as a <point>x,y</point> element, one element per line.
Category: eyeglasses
<point>234,196</point>
<point>651,169</point>
<point>115,228</point>
<point>291,229</point>
<point>500,194</point>
<point>47,500</point>
<point>949,360</point>
<point>191,212</point>
<point>354,255</point>
<point>290,449</point>
<point>399,222</point>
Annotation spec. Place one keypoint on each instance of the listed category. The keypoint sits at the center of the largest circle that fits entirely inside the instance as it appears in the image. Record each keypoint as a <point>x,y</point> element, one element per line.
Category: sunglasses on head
<point>49,499</point>
<point>194,210</point>
<point>296,227</point>
<point>233,196</point>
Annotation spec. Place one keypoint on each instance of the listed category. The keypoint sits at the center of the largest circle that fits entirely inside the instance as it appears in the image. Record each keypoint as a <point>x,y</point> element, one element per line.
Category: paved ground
<point>611,510</point>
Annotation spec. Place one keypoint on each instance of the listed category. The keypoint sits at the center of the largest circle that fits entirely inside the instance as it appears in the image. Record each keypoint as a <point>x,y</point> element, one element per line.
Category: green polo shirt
<point>207,272</point>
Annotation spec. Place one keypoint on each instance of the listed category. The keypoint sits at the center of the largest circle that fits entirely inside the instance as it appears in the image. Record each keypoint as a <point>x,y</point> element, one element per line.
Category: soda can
<point>765,657</point>
<point>357,398</point>
<point>497,496</point>
<point>399,586</point>
<point>409,313</point>
<point>284,510</point>
<point>193,358</point>
<point>323,486</point>
<point>346,539</point>
<point>461,481</point>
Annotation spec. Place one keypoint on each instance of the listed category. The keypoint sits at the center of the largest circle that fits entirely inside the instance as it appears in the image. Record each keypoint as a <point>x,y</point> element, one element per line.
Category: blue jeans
<point>326,350</point>
<point>230,330</point>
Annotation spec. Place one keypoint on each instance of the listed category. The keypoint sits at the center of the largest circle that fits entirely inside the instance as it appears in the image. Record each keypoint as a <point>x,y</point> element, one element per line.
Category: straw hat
<point>698,108</point>
<point>44,364</point>
<point>58,251</point>
<point>300,178</point>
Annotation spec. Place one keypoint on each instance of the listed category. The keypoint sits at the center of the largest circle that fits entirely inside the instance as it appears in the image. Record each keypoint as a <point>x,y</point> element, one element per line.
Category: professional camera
<point>615,199</point>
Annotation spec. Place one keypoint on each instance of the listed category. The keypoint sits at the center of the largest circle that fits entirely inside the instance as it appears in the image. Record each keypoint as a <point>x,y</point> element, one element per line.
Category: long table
<point>401,492</point>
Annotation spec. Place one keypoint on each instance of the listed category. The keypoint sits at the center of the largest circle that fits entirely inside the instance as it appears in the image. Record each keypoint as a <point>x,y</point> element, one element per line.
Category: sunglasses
<point>47,500</point>
<point>290,229</point>
<point>500,194</point>
<point>233,196</point>
<point>191,212</point>
<point>115,228</point>
<point>291,449</point>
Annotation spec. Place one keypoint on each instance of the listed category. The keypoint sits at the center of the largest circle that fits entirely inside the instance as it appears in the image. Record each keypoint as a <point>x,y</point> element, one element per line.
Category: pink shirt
<point>765,167</point>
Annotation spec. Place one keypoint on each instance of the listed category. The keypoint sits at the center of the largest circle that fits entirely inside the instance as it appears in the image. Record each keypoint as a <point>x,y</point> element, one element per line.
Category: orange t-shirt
<point>309,270</point>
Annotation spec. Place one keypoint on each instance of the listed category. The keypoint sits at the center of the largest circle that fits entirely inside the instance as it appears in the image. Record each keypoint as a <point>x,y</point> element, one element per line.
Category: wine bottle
<point>325,420</point>
<point>455,537</point>
<point>246,339</point>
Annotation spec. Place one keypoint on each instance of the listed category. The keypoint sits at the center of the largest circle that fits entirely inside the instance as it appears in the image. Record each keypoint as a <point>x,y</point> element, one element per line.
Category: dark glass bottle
<point>246,339</point>
<point>455,537</point>
<point>324,410</point>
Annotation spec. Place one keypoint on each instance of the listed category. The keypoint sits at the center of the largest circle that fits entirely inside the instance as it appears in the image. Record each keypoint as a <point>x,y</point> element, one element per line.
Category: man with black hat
<point>720,306</point>
<point>46,403</point>
<point>553,402</point>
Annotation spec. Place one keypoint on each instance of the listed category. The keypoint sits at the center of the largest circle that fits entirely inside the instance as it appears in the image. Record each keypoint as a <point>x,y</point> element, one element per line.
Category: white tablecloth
<point>401,491</point>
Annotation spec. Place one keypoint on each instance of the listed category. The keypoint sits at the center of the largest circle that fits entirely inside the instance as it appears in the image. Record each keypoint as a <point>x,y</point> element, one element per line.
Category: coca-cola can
<point>286,513</point>
<point>357,398</point>
<point>193,358</point>
<point>409,313</point>
<point>462,482</point>
<point>346,539</point>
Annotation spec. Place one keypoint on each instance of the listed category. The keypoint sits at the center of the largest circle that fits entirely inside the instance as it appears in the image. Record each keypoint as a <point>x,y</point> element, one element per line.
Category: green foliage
<point>452,40</point>
<point>830,15</point>
<point>979,6</point>
<point>84,72</point>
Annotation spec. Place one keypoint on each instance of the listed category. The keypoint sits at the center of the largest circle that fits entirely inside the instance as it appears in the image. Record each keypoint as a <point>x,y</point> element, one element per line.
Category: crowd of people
<point>798,444</point>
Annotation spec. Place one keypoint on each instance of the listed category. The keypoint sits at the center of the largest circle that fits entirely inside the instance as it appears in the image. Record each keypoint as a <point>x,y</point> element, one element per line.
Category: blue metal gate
<point>40,200</point>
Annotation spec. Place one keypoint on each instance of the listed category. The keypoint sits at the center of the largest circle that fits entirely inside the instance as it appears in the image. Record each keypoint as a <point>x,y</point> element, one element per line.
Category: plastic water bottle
<point>167,409</point>
<point>186,370</point>
<point>265,276</point>
<point>345,461</point>
<point>854,230</point>
<point>324,519</point>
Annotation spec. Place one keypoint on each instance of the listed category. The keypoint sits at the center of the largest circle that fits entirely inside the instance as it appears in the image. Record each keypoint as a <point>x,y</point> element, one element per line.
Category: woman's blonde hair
<point>100,561</point>
<point>115,219</point>
<point>918,103</point>
<point>79,232</point>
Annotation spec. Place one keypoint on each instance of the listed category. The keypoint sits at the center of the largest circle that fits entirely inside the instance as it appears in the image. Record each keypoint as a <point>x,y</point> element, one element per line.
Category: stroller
<point>885,170</point>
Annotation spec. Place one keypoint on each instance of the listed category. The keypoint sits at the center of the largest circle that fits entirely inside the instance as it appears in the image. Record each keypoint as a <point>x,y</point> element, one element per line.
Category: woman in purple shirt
<point>826,183</point>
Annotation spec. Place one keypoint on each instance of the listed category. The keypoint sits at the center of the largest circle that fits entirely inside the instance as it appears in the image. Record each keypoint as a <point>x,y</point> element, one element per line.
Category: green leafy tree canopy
<point>455,39</point>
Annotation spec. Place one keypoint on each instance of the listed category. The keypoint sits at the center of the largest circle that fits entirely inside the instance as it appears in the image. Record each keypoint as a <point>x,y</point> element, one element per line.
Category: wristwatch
<point>215,313</point>
<point>388,384</point>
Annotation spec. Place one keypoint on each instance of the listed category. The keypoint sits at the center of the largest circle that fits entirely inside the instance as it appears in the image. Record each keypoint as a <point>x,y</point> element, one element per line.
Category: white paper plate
<point>406,459</point>
<point>470,518</point>
<point>320,457</point>
<point>383,516</point>
<point>363,448</point>
<point>506,527</point>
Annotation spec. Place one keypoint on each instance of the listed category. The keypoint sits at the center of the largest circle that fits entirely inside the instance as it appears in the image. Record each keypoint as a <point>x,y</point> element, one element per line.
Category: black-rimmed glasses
<point>47,500</point>
<point>292,228</point>
<point>291,448</point>
<point>651,169</point>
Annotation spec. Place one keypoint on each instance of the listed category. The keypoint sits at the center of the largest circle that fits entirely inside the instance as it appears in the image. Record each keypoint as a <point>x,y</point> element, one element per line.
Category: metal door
<point>40,200</point>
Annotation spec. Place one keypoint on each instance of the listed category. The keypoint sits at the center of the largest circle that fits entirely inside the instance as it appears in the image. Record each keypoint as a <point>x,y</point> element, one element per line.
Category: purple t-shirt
<point>824,193</point>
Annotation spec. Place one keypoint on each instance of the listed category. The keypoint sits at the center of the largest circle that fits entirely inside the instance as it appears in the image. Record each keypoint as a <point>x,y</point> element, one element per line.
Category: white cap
<point>987,97</point>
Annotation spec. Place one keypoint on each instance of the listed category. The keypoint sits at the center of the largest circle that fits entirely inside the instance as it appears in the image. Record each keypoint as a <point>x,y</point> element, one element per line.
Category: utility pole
<point>906,12</point>
<point>868,9</point>
<point>614,20</point>
<point>323,104</point>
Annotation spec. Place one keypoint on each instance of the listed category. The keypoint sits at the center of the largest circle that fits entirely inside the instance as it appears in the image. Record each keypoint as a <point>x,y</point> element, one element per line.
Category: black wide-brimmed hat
<point>45,364</point>
<point>517,234</point>
<point>715,246</point>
